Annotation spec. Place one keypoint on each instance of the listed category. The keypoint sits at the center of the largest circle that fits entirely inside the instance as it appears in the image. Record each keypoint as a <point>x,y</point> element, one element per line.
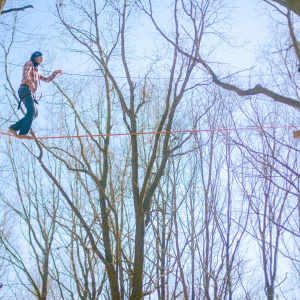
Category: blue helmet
<point>36,54</point>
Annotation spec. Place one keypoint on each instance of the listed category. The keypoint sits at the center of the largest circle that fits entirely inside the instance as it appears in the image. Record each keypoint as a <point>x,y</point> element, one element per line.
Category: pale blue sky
<point>249,28</point>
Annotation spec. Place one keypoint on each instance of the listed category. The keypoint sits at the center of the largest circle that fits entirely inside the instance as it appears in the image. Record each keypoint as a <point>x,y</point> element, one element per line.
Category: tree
<point>270,170</point>
<point>37,223</point>
<point>4,267</point>
<point>165,212</point>
<point>2,3</point>
<point>292,5</point>
<point>143,182</point>
<point>192,11</point>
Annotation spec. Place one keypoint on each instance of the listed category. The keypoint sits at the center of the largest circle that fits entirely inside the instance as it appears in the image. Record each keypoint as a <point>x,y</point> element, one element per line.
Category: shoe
<point>24,136</point>
<point>14,132</point>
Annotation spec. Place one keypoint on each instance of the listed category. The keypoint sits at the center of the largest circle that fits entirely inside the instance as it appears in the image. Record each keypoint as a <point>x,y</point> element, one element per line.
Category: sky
<point>249,26</point>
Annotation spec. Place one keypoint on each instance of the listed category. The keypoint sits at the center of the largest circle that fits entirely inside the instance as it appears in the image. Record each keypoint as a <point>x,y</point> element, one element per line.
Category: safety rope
<point>138,77</point>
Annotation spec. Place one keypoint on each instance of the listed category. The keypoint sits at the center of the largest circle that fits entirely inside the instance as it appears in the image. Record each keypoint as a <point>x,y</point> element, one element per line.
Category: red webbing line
<point>151,132</point>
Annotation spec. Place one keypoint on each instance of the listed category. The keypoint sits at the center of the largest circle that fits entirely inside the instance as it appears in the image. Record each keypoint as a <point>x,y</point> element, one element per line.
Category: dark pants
<point>25,123</point>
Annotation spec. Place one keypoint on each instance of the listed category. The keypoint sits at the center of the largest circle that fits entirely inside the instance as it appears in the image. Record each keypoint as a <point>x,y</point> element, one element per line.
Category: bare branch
<point>293,5</point>
<point>16,9</point>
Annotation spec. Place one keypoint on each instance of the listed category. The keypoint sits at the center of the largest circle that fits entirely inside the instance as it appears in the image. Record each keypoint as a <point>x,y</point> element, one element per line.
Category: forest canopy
<point>158,168</point>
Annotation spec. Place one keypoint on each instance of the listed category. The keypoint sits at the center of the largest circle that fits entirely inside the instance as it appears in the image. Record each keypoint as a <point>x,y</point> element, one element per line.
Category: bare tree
<point>269,172</point>
<point>292,5</point>
<point>4,266</point>
<point>2,3</point>
<point>37,226</point>
<point>140,213</point>
<point>143,182</point>
<point>193,32</point>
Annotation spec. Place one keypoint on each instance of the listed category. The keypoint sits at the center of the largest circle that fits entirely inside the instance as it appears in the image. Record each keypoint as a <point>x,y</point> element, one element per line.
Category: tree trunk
<point>270,293</point>
<point>137,284</point>
<point>2,3</point>
<point>294,5</point>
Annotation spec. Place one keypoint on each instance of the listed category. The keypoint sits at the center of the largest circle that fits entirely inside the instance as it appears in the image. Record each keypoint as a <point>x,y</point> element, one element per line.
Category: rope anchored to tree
<point>182,131</point>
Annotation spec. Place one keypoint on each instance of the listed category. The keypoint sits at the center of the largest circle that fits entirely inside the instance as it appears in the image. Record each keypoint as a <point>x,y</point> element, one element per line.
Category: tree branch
<point>293,5</point>
<point>15,9</point>
<point>257,89</point>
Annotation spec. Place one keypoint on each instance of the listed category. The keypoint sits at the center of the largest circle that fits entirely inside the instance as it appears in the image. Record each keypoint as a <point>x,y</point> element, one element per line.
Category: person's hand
<point>58,72</point>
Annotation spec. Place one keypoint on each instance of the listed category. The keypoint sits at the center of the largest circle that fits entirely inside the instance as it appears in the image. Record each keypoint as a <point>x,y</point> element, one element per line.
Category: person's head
<point>37,58</point>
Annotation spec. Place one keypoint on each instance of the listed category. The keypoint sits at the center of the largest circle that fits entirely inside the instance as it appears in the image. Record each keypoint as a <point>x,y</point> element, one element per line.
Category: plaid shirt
<point>31,76</point>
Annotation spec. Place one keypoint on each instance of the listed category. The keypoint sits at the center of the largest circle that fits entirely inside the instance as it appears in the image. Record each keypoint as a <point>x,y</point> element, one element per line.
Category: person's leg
<point>16,127</point>
<point>25,124</point>
<point>23,91</point>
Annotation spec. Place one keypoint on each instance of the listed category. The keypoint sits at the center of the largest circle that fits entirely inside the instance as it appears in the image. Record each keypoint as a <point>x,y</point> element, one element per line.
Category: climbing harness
<point>32,94</point>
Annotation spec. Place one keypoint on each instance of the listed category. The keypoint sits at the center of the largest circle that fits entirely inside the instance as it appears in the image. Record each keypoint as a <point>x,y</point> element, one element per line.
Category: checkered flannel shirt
<point>31,76</point>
